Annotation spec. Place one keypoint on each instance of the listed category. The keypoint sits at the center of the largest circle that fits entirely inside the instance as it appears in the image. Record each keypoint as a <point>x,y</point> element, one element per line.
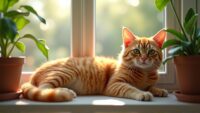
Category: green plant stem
<point>6,47</point>
<point>3,49</point>
<point>196,27</point>
<point>196,13</point>
<point>1,41</point>
<point>178,19</point>
<point>12,48</point>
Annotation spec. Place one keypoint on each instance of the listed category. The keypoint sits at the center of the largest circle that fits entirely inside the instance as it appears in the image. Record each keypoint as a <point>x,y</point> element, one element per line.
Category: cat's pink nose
<point>144,58</point>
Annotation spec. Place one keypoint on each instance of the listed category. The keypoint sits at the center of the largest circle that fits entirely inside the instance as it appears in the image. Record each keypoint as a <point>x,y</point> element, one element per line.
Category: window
<point>84,16</point>
<point>57,31</point>
<point>92,19</point>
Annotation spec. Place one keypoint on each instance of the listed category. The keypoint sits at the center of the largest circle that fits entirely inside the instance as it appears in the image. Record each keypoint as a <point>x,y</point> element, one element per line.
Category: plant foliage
<point>186,41</point>
<point>11,22</point>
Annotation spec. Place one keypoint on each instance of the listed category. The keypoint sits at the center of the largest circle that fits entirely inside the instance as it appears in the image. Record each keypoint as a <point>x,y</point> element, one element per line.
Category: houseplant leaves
<point>41,44</point>
<point>160,4</point>
<point>30,9</point>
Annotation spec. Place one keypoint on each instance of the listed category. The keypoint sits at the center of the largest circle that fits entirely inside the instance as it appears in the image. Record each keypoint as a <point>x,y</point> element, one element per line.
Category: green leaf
<point>15,13</point>
<point>189,14</point>
<point>198,45</point>
<point>30,9</point>
<point>177,34</point>
<point>3,5</point>
<point>21,22</point>
<point>8,29</point>
<point>170,42</point>
<point>161,4</point>
<point>190,25</point>
<point>21,46</point>
<point>176,50</point>
<point>12,2</point>
<point>41,44</point>
<point>167,59</point>
<point>198,32</point>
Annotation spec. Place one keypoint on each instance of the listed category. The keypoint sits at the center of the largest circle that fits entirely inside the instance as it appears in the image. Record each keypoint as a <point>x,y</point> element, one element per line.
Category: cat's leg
<point>59,93</point>
<point>49,88</point>
<point>121,89</point>
<point>46,93</point>
<point>57,81</point>
<point>158,92</point>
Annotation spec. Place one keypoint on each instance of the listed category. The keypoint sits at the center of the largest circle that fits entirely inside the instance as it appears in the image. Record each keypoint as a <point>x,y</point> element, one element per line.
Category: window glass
<point>140,16</point>
<point>56,31</point>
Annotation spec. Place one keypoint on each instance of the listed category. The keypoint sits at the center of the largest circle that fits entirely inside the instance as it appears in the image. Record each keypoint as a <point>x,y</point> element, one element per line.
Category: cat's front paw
<point>159,92</point>
<point>162,93</point>
<point>143,96</point>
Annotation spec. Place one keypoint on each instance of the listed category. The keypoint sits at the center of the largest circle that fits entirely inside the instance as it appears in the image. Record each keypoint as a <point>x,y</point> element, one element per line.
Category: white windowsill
<point>89,104</point>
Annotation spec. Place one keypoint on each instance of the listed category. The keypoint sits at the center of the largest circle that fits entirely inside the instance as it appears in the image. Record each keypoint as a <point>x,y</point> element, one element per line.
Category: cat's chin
<point>143,65</point>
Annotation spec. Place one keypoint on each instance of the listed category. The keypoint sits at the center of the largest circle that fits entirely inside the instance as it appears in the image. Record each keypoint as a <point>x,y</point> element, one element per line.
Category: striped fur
<point>132,76</point>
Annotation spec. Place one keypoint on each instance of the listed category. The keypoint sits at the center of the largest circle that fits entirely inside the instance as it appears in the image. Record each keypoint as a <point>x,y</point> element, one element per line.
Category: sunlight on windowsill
<point>108,102</point>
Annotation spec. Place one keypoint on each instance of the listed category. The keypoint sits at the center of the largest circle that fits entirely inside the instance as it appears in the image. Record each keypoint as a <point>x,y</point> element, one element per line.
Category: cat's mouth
<point>143,64</point>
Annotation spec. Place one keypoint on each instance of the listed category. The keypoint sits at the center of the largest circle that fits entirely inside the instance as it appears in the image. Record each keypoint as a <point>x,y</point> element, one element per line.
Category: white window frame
<point>168,79</point>
<point>83,36</point>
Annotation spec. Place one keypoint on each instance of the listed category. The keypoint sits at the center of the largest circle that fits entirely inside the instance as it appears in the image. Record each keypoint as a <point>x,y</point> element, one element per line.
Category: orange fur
<point>133,76</point>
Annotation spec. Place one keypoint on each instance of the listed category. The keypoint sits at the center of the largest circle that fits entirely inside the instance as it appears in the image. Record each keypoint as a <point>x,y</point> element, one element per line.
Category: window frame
<point>83,36</point>
<point>169,80</point>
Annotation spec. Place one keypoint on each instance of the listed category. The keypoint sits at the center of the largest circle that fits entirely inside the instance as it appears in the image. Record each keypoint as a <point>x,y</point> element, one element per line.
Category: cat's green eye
<point>136,51</point>
<point>151,52</point>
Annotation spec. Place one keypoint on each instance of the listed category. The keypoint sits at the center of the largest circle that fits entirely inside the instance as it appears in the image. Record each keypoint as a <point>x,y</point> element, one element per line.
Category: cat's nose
<point>144,58</point>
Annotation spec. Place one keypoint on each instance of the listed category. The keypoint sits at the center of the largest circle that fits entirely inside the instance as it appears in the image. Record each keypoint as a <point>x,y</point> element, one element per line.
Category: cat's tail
<point>32,92</point>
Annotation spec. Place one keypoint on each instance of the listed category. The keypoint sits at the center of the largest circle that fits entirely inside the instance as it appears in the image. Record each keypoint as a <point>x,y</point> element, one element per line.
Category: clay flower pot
<point>10,72</point>
<point>188,74</point>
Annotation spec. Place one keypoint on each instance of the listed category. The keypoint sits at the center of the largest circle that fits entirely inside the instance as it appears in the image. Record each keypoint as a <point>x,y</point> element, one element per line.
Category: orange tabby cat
<point>133,76</point>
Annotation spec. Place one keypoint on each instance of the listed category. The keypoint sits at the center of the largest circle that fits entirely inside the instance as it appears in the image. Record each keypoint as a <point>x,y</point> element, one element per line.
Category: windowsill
<point>91,104</point>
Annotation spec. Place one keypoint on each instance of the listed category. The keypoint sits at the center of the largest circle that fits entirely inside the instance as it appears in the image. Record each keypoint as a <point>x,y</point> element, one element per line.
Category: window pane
<point>141,16</point>
<point>56,32</point>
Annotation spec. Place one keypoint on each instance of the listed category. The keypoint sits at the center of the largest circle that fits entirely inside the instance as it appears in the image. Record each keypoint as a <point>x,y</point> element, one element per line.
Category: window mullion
<point>83,24</point>
<point>76,28</point>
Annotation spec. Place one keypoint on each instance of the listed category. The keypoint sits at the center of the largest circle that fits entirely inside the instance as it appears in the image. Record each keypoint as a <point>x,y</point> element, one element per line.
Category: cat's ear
<point>128,36</point>
<point>160,37</point>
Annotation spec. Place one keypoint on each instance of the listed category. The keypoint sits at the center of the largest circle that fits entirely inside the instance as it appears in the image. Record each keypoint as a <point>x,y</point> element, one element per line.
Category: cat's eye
<point>136,51</point>
<point>151,52</point>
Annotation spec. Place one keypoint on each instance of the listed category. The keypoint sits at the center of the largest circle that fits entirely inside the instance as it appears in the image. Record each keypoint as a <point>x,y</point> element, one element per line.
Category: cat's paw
<point>65,94</point>
<point>143,96</point>
<point>72,93</point>
<point>160,92</point>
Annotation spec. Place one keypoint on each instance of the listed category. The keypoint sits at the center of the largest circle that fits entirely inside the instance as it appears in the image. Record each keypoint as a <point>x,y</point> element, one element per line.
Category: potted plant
<point>185,52</point>
<point>11,22</point>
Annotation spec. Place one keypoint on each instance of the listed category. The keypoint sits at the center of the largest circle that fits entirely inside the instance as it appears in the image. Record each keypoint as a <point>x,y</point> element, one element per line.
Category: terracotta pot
<point>188,74</point>
<point>10,72</point>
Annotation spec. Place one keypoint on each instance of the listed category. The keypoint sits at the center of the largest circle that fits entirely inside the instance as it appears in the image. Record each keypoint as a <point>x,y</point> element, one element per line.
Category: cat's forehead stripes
<point>143,43</point>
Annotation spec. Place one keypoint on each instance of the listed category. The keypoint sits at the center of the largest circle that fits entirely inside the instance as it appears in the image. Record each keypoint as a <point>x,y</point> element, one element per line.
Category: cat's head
<point>142,52</point>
